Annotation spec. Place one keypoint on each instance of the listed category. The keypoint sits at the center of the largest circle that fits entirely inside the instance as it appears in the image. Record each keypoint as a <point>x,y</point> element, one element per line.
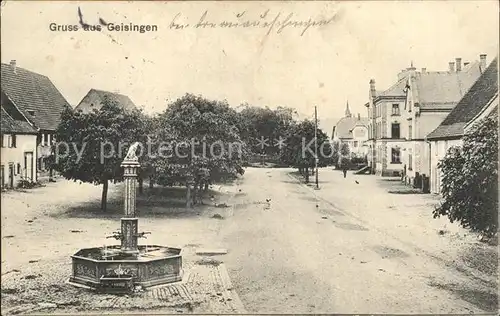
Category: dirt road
<point>347,248</point>
<point>350,247</point>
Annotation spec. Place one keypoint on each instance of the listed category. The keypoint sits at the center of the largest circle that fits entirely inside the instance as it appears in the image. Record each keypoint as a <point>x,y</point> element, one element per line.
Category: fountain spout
<point>116,235</point>
<point>142,234</point>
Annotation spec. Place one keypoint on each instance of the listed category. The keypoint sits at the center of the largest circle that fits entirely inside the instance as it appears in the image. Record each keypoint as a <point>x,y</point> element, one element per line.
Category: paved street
<point>346,248</point>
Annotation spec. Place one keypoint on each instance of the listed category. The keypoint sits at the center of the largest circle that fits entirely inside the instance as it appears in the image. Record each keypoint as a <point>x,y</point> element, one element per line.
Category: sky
<point>326,66</point>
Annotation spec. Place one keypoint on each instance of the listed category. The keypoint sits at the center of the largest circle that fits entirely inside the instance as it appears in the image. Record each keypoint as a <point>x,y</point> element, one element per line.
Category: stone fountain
<point>119,268</point>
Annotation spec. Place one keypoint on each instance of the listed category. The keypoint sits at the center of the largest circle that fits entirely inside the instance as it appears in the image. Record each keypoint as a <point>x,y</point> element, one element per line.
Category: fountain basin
<point>152,265</point>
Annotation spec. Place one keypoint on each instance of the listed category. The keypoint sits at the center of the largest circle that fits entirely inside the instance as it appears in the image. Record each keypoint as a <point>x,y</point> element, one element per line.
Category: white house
<point>480,101</point>
<point>430,97</point>
<point>35,98</point>
<point>354,132</point>
<point>18,149</point>
<point>386,126</point>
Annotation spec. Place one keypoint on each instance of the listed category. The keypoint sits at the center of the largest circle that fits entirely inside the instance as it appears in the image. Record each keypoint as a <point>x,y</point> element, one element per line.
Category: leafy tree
<point>204,144</point>
<point>345,155</point>
<point>300,149</point>
<point>335,147</point>
<point>470,180</point>
<point>91,146</point>
<point>264,123</point>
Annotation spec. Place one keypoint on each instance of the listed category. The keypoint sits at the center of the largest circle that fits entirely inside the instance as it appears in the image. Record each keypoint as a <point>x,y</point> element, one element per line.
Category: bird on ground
<point>356,181</point>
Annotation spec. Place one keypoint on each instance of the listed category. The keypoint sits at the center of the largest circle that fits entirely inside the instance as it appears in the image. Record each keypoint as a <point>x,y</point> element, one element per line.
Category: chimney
<point>372,88</point>
<point>13,65</point>
<point>452,66</point>
<point>482,62</point>
<point>458,61</point>
<point>424,70</point>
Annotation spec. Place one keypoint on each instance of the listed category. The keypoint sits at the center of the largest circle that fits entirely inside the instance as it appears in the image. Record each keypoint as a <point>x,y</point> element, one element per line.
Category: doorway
<point>28,166</point>
<point>11,175</point>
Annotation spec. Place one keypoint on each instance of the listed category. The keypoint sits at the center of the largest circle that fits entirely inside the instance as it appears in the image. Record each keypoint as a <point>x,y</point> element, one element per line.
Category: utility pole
<point>316,160</point>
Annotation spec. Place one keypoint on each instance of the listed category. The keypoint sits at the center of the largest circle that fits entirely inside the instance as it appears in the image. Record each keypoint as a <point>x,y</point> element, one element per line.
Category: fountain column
<point>129,223</point>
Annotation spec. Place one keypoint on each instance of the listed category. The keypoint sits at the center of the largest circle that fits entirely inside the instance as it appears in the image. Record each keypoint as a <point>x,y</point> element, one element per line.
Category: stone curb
<point>229,290</point>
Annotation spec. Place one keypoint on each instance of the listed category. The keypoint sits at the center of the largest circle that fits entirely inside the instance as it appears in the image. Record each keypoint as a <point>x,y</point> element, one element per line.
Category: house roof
<point>30,91</point>
<point>10,125</point>
<point>440,90</point>
<point>478,96</point>
<point>345,126</point>
<point>122,100</point>
<point>396,90</point>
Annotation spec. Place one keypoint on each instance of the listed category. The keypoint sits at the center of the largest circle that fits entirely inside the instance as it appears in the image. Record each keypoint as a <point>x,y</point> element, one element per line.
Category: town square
<point>249,158</point>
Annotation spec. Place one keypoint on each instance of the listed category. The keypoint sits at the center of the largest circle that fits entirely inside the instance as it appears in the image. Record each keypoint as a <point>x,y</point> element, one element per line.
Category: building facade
<point>430,97</point>
<point>18,150</point>
<point>94,99</point>
<point>38,101</point>
<point>352,130</point>
<point>386,127</point>
<point>480,101</point>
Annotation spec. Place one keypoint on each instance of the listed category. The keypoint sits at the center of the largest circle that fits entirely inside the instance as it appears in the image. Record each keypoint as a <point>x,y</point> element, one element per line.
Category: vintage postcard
<point>249,157</point>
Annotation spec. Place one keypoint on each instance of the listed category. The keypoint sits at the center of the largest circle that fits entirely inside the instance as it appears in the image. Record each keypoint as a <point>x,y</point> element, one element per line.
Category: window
<point>11,141</point>
<point>410,161</point>
<point>395,155</point>
<point>395,109</point>
<point>18,168</point>
<point>31,112</point>
<point>410,129</point>
<point>395,130</point>
<point>45,139</point>
<point>2,141</point>
<point>355,143</point>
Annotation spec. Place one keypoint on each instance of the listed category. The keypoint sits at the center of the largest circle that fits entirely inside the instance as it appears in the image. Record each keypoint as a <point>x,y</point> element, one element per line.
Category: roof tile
<point>478,96</point>
<point>30,91</point>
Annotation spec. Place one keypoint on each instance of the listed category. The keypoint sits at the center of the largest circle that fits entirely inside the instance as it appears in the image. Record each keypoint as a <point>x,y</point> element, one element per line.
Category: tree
<point>265,124</point>
<point>335,146</point>
<point>204,144</point>
<point>470,180</point>
<point>345,155</point>
<point>91,146</point>
<point>300,149</point>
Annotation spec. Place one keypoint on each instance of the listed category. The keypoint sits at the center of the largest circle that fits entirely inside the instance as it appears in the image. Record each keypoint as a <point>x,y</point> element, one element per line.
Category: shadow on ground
<point>483,299</point>
<point>157,202</point>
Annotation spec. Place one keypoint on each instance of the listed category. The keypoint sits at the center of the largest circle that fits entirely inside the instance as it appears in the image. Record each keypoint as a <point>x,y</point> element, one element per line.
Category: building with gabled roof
<point>18,149</point>
<point>34,95</point>
<point>385,126</point>
<point>32,98</point>
<point>430,97</point>
<point>94,99</point>
<point>480,101</point>
<point>353,131</point>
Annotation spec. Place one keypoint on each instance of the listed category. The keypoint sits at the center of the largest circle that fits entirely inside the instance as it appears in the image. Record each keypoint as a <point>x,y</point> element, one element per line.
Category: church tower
<point>347,111</point>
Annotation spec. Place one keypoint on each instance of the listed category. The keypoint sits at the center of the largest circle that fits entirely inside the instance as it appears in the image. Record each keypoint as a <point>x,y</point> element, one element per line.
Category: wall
<point>360,135</point>
<point>24,143</point>
<point>438,151</point>
<point>427,122</point>
<point>90,101</point>
<point>390,119</point>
